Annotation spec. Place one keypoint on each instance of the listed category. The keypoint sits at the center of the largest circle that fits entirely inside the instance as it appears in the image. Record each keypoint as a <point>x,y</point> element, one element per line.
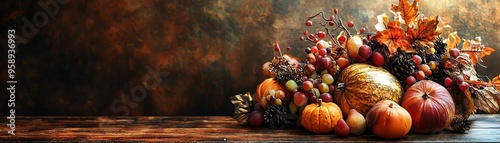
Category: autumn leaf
<point>408,12</point>
<point>425,30</point>
<point>496,82</point>
<point>452,41</point>
<point>487,99</point>
<point>394,39</point>
<point>475,50</point>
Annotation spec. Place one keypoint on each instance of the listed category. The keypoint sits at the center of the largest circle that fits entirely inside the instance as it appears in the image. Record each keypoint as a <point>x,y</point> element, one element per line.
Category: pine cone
<point>401,65</point>
<point>439,46</point>
<point>424,53</point>
<point>242,106</point>
<point>278,117</point>
<point>460,124</point>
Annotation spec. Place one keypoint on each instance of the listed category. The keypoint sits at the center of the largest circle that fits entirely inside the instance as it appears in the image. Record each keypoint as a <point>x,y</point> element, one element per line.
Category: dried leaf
<point>425,30</point>
<point>496,82</point>
<point>487,99</point>
<point>394,38</point>
<point>475,50</point>
<point>467,105</point>
<point>383,21</point>
<point>467,68</point>
<point>408,12</point>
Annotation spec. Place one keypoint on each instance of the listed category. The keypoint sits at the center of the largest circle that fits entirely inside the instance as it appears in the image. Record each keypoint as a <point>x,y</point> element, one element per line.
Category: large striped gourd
<point>360,86</point>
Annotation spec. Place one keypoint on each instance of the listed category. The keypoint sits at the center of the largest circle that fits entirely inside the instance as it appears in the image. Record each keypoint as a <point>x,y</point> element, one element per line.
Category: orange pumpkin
<point>321,117</point>
<point>268,84</point>
<point>388,120</point>
<point>360,86</point>
<point>430,105</point>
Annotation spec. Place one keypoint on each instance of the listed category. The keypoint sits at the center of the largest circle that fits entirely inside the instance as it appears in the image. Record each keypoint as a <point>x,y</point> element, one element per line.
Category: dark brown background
<point>93,51</point>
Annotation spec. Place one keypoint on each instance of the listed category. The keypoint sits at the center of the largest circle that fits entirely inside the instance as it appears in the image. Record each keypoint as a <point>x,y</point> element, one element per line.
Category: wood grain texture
<point>207,128</point>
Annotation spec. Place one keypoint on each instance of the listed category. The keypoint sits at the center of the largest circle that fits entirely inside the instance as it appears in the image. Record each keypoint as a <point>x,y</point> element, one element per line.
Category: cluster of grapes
<point>451,65</point>
<point>275,97</point>
<point>423,70</point>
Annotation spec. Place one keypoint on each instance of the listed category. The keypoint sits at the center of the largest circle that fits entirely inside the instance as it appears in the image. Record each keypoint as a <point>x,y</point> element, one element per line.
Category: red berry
<point>448,81</point>
<point>362,30</point>
<point>309,23</point>
<point>350,24</point>
<point>311,36</point>
<point>314,49</point>
<point>316,40</point>
<point>463,86</point>
<point>301,38</point>
<point>342,39</point>
<point>365,51</point>
<point>411,80</point>
<point>276,47</point>
<point>377,59</point>
<point>321,34</point>
<point>332,17</point>
<point>336,11</point>
<point>447,65</point>
<point>454,52</point>
<point>288,48</point>
<point>322,52</point>
<point>331,23</point>
<point>305,32</point>
<point>417,59</point>
<point>459,79</point>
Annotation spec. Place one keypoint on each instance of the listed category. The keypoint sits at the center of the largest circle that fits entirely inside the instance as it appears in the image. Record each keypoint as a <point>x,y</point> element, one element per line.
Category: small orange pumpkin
<point>387,119</point>
<point>321,117</point>
<point>268,84</point>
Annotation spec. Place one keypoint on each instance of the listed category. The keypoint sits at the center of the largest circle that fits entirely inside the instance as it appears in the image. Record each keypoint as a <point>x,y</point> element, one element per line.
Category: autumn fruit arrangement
<point>408,74</point>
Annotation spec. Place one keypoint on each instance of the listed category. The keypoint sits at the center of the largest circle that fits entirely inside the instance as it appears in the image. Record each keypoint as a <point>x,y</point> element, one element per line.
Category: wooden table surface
<point>205,128</point>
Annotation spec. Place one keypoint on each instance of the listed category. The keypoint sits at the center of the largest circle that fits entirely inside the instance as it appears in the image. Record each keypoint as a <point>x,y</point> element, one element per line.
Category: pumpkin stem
<point>319,102</point>
<point>341,86</point>
<point>426,95</point>
<point>390,105</point>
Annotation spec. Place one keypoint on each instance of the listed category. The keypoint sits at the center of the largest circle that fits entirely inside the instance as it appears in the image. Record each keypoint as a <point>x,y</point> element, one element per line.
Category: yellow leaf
<point>408,12</point>
<point>453,40</point>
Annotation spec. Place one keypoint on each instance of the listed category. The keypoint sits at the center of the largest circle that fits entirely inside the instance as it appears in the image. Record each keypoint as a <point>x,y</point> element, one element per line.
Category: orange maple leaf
<point>408,12</point>
<point>425,30</point>
<point>394,38</point>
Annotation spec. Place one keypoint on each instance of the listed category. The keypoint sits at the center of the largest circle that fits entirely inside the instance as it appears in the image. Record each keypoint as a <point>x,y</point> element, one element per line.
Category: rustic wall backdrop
<point>92,57</point>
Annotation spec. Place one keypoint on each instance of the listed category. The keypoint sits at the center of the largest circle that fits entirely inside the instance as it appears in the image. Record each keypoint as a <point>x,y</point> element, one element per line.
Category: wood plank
<point>205,128</point>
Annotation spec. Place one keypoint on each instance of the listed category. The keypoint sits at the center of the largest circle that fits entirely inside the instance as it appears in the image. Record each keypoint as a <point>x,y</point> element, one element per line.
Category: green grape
<point>323,88</point>
<point>291,85</point>
<point>293,108</point>
<point>327,78</point>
